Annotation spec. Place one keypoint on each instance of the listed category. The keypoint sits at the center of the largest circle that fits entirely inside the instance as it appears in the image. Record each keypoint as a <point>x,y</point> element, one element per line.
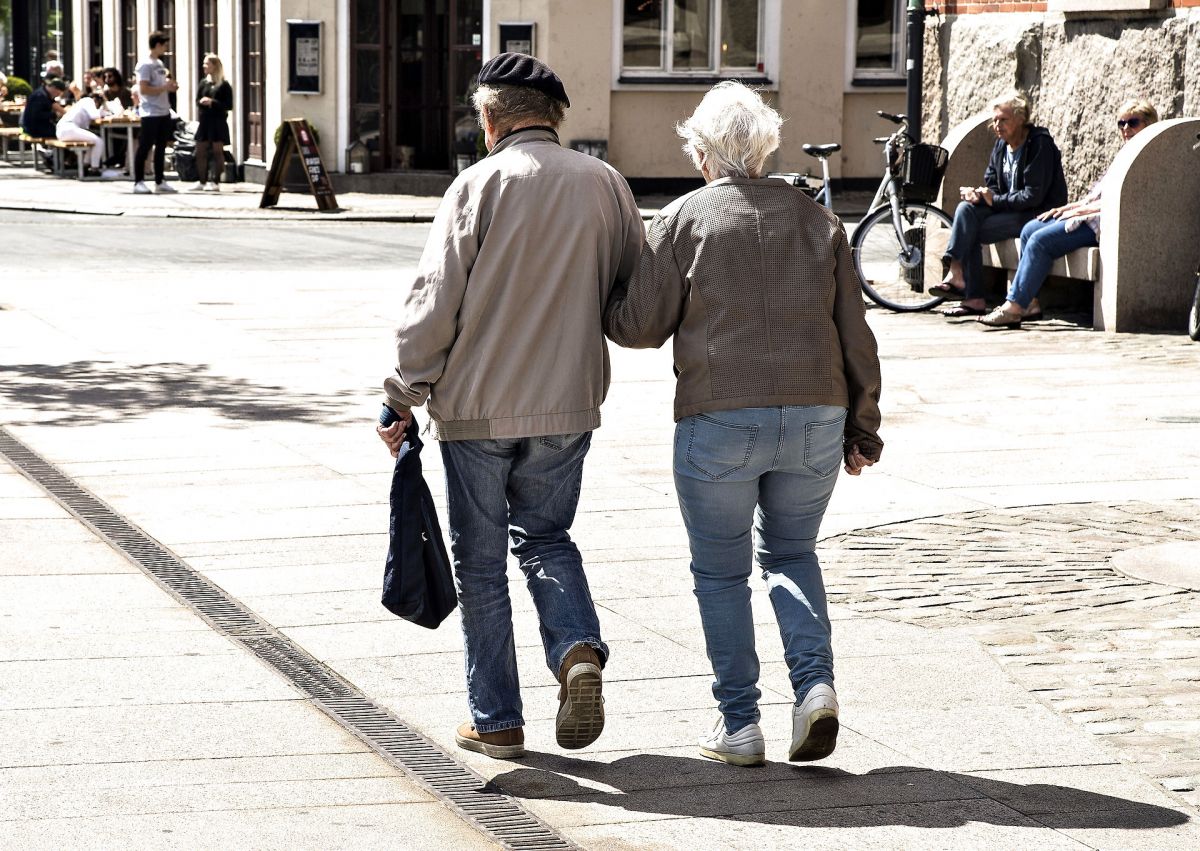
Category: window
<point>678,39</point>
<point>95,34</point>
<point>129,45</point>
<point>879,42</point>
<point>206,26</point>
<point>165,20</point>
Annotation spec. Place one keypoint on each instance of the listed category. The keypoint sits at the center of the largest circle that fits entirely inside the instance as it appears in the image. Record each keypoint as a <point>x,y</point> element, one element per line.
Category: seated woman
<point>778,385</point>
<point>74,127</point>
<point>1024,177</point>
<point>1058,232</point>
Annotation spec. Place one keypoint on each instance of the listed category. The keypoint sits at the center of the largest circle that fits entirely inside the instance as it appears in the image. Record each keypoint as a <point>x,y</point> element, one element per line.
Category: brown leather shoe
<point>580,702</point>
<point>502,744</point>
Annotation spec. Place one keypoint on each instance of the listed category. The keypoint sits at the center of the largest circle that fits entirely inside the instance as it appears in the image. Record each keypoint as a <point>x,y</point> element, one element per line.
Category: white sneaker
<point>140,188</point>
<point>814,725</point>
<point>197,187</point>
<point>212,187</point>
<point>745,747</point>
<point>165,188</point>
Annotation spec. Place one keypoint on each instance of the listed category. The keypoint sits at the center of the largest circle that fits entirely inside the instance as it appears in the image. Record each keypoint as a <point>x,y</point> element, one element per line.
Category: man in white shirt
<point>154,110</point>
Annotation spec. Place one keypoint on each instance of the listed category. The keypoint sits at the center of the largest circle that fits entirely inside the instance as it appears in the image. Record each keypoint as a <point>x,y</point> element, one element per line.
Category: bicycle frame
<point>888,193</point>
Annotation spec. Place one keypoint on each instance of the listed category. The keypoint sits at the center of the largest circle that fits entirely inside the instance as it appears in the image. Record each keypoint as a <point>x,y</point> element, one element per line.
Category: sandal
<point>1001,318</point>
<point>960,311</point>
<point>945,290</point>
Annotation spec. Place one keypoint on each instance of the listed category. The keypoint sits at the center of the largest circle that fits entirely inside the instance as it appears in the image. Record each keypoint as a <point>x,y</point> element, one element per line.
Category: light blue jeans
<point>1041,244</point>
<point>526,490</point>
<point>769,471</point>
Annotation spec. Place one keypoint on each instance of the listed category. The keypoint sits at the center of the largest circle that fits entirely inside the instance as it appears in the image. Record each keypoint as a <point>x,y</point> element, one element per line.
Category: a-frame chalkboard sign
<point>297,140</point>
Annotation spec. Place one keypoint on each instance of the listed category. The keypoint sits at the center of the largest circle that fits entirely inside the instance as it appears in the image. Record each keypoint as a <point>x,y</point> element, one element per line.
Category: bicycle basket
<point>924,166</point>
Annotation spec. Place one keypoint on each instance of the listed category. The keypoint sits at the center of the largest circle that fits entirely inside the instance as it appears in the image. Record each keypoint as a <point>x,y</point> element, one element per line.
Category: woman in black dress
<point>214,99</point>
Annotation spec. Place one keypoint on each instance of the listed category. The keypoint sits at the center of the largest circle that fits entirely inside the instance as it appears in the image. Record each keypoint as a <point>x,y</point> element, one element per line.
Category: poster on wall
<point>304,57</point>
<point>517,37</point>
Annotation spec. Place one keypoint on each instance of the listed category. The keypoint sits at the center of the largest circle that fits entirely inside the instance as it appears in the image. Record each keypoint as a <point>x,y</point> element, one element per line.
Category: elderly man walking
<point>502,335</point>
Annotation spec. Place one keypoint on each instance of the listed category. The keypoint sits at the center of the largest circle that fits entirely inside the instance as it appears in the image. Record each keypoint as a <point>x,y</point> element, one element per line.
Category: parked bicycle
<point>898,245</point>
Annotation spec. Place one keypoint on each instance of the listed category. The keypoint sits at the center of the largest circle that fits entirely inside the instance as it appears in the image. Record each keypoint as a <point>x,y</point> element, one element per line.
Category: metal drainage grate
<point>497,815</point>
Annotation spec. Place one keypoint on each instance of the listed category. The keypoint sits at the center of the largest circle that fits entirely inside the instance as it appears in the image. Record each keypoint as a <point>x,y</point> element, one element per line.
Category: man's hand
<point>856,461</point>
<point>393,435</point>
<point>985,195</point>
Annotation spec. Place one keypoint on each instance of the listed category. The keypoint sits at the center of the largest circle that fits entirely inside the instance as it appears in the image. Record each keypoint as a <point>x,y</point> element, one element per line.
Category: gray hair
<point>508,106</point>
<point>1015,100</point>
<point>733,128</point>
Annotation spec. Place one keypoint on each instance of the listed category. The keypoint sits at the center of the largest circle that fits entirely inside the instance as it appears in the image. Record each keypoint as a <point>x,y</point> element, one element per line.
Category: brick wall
<point>970,7</point>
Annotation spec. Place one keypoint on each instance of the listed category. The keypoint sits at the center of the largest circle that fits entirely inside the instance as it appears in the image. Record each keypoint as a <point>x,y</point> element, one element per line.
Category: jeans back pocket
<point>823,445</point>
<point>718,449</point>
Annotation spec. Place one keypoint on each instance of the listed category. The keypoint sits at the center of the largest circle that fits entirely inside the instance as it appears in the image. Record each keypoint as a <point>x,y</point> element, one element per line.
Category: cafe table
<point>113,125</point>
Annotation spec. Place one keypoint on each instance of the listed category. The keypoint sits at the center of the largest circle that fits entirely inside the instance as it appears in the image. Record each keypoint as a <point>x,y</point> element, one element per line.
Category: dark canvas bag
<point>417,581</point>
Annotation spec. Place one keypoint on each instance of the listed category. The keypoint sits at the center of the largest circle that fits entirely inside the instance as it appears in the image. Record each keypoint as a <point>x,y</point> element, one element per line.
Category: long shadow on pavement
<point>817,796</point>
<point>104,391</point>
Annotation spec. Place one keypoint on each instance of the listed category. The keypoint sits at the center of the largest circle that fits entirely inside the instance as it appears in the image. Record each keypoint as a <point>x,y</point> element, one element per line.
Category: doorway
<point>414,68</point>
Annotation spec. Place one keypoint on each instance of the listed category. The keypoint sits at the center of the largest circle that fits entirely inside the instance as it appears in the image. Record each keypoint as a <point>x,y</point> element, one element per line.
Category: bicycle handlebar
<point>895,119</point>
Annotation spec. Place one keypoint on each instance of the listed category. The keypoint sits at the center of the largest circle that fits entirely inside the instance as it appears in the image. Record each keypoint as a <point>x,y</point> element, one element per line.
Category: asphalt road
<point>194,243</point>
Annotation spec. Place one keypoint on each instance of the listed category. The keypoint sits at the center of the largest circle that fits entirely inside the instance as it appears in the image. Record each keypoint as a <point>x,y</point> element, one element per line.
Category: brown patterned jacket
<point>757,285</point>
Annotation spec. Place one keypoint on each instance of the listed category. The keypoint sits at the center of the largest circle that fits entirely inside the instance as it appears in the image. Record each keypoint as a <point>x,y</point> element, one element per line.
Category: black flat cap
<point>518,69</point>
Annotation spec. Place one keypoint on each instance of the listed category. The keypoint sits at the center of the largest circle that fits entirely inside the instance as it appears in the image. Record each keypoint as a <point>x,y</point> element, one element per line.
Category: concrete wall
<point>1078,69</point>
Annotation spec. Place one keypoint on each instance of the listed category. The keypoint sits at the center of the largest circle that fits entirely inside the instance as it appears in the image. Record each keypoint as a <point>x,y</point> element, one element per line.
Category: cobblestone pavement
<point>1035,585</point>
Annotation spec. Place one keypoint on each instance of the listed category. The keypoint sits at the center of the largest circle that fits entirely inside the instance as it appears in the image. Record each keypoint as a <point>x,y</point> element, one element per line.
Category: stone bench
<point>1148,246</point>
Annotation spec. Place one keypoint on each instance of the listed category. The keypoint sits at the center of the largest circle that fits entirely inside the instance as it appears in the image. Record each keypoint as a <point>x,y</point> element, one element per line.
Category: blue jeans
<point>1041,244</point>
<point>976,225</point>
<point>770,471</point>
<point>526,490</point>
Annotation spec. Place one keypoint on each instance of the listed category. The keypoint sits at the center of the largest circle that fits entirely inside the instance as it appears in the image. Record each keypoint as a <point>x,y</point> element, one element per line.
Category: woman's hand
<point>856,461</point>
<point>206,101</point>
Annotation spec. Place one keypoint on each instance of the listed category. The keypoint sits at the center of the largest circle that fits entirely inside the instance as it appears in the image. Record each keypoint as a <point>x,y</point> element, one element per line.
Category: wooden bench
<point>35,143</point>
<point>1148,247</point>
<point>59,147</point>
<point>10,134</point>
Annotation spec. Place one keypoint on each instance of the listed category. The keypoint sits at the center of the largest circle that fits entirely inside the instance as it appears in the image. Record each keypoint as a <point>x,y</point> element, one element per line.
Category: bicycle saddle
<point>821,151</point>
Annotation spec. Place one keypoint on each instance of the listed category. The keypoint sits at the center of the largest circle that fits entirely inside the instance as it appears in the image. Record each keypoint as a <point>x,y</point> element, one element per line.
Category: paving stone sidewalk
<point>230,419</point>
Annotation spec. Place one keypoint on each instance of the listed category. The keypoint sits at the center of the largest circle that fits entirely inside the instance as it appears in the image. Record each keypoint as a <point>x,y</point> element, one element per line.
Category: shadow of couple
<point>805,795</point>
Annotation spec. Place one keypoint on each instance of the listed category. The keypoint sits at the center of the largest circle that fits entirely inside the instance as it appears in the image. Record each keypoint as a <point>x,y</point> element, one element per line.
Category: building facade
<point>387,83</point>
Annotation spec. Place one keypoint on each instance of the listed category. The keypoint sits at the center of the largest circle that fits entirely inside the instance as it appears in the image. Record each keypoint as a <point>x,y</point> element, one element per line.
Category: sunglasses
<point>1135,123</point>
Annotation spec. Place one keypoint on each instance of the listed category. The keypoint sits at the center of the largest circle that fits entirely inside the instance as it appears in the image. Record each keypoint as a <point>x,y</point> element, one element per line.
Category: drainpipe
<point>916,63</point>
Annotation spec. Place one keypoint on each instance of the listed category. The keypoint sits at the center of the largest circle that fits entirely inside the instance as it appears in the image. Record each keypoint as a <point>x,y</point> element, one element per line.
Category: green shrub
<point>18,88</point>
<point>279,134</point>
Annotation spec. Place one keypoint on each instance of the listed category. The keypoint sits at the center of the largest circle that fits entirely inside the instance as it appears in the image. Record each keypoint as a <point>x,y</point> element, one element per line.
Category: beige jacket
<point>502,327</point>
<point>757,284</point>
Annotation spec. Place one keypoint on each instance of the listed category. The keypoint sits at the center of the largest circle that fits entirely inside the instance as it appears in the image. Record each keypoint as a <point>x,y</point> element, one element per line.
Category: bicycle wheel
<point>888,277</point>
<point>1194,313</point>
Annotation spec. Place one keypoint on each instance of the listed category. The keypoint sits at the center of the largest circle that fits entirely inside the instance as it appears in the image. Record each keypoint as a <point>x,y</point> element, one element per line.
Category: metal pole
<point>915,67</point>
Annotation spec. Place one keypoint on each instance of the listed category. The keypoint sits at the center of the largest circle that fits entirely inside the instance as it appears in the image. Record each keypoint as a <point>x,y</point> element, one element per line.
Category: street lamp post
<point>915,66</point>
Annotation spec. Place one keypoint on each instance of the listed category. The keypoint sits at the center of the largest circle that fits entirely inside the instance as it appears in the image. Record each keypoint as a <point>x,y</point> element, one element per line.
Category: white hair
<point>1014,100</point>
<point>733,129</point>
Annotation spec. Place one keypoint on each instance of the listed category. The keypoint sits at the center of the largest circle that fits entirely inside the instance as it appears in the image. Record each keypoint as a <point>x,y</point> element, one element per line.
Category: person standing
<point>214,100</point>
<point>777,385</point>
<point>154,110</point>
<point>501,335</point>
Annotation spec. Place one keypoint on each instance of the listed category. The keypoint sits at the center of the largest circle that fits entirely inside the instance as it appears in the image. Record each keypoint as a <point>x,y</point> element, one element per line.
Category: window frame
<point>667,78</point>
<point>895,77</point>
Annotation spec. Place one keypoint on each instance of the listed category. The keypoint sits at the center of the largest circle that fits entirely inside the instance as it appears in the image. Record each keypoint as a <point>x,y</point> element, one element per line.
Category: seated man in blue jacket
<point>1024,177</point>
<point>42,110</point>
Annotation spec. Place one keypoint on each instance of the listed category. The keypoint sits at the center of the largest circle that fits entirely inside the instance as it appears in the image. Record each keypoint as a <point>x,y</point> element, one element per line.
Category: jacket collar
<point>525,134</point>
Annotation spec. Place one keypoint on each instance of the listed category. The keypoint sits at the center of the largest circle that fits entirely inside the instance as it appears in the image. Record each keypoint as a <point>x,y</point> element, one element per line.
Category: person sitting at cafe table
<point>74,127</point>
<point>115,88</point>
<point>42,109</point>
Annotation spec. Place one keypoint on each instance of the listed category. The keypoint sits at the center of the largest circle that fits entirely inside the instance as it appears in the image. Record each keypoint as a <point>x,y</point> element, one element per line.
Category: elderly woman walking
<point>1024,177</point>
<point>778,385</point>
